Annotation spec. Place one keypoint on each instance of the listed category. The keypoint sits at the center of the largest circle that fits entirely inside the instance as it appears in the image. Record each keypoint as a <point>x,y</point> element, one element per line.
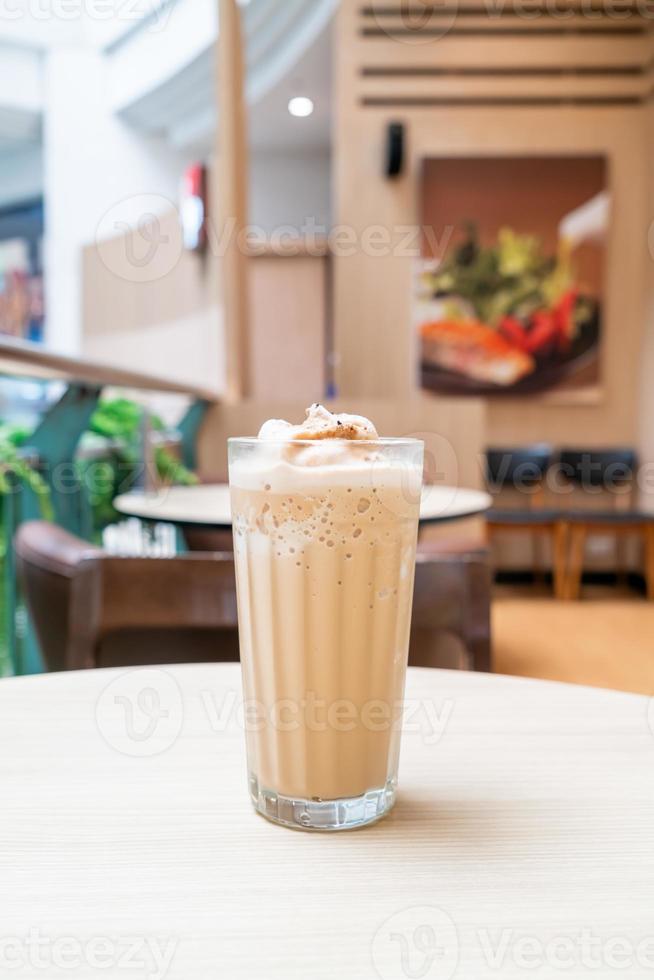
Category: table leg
<point>576,564</point>
<point>649,560</point>
<point>560,559</point>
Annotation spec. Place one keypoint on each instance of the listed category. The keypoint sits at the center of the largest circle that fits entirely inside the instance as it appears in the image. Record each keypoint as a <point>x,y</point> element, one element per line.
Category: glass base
<point>323,815</point>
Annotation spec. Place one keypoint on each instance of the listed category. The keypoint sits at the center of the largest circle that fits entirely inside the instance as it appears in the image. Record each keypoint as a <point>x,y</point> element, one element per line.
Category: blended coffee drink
<point>325,519</point>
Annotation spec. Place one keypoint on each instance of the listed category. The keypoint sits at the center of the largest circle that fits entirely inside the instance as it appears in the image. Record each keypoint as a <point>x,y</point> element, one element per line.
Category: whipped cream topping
<point>320,423</point>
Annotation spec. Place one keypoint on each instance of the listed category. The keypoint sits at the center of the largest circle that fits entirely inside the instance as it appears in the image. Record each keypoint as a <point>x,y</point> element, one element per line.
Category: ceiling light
<point>300,106</point>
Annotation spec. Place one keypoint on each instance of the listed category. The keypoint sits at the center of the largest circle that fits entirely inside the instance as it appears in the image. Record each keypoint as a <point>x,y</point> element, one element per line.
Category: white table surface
<point>525,822</point>
<point>208,505</point>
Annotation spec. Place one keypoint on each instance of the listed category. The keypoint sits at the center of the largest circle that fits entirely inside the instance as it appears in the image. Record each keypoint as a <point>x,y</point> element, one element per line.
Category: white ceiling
<point>271,125</point>
<point>160,73</point>
<point>287,54</point>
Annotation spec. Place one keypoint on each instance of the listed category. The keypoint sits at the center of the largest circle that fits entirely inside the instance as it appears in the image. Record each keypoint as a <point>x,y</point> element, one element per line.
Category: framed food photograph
<point>509,289</point>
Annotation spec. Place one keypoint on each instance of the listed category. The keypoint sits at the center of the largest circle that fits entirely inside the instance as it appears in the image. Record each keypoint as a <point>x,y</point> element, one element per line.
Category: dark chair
<point>595,469</point>
<point>545,523</point>
<point>621,524</point>
<point>524,470</point>
<point>93,610</point>
<point>600,472</point>
<point>207,538</point>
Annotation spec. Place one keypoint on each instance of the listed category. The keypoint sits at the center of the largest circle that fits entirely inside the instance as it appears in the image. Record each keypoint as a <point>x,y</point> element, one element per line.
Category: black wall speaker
<point>395,138</point>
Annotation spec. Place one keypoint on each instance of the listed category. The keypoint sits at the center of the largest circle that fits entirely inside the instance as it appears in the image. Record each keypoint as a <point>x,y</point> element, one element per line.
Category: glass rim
<point>306,443</point>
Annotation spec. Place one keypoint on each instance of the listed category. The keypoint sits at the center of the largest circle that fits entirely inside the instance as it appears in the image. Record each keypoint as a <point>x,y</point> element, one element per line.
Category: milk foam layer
<point>272,475</point>
<point>326,450</point>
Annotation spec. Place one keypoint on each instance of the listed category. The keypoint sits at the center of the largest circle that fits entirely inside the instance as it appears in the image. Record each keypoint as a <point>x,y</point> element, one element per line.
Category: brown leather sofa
<point>90,609</point>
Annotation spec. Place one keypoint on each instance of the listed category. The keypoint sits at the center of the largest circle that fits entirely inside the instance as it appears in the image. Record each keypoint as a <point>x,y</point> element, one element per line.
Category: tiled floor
<point>606,640</point>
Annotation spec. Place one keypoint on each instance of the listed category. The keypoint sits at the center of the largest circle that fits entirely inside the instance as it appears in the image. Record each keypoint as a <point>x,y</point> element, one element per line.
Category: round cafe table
<point>207,506</point>
<point>521,842</point>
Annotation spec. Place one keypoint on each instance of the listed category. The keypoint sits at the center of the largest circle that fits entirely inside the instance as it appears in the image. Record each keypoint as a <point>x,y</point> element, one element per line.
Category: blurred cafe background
<point>436,215</point>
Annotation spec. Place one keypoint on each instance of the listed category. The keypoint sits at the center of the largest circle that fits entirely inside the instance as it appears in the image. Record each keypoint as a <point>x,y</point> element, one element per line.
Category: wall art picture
<point>509,290</point>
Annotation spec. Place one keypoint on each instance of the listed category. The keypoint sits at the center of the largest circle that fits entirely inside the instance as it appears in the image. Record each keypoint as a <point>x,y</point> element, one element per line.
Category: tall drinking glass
<point>324,541</point>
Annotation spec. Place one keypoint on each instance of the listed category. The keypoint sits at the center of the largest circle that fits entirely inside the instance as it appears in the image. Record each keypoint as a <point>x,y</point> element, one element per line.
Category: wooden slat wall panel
<point>567,88</point>
<point>426,17</point>
<point>474,53</point>
<point>493,52</point>
<point>478,25</point>
<point>429,10</point>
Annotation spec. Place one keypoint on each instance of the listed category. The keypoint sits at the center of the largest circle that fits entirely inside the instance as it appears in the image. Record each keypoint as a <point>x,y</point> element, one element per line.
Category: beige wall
<point>172,324</point>
<point>288,327</point>
<point>644,374</point>
<point>163,315</point>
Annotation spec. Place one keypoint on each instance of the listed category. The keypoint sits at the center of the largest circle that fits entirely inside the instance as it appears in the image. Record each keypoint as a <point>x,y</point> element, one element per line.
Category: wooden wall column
<point>229,195</point>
